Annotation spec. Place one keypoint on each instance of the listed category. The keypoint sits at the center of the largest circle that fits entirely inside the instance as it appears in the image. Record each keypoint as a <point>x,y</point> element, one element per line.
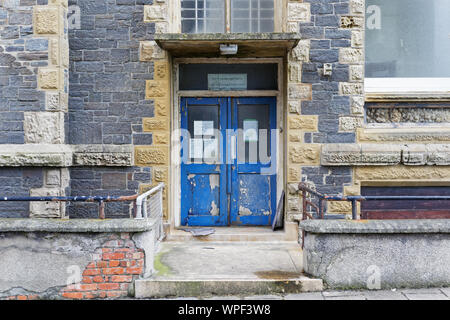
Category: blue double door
<point>228,161</point>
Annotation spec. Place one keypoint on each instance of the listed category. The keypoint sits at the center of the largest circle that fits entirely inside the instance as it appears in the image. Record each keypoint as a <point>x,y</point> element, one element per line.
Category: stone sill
<point>376,226</point>
<point>76,225</point>
<point>407,97</point>
<point>378,133</point>
<point>376,154</point>
<point>62,155</point>
<point>207,44</point>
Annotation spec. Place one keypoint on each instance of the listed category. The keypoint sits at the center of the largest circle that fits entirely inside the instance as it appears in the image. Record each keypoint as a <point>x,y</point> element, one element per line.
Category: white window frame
<point>279,7</point>
<point>407,89</point>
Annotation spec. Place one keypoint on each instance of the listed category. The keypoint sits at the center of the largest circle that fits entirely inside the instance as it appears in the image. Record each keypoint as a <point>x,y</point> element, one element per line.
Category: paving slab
<point>422,291</point>
<point>264,297</point>
<point>223,298</point>
<point>384,295</point>
<point>446,291</point>
<point>425,296</point>
<point>333,294</point>
<point>304,296</point>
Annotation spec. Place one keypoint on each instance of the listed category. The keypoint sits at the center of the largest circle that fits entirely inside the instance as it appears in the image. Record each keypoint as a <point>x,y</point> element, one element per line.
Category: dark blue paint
<point>240,184</point>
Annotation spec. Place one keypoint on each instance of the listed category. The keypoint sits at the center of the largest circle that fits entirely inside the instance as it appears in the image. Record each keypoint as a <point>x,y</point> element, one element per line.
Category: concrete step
<point>170,287</point>
<point>239,234</point>
<point>199,269</point>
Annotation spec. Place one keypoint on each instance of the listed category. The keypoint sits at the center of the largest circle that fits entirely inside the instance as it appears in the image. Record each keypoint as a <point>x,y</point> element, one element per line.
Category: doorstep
<point>290,233</point>
<point>226,268</point>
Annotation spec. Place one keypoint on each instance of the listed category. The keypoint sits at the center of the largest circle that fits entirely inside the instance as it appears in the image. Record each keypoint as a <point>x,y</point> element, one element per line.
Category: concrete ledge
<point>378,254</point>
<point>207,44</point>
<point>376,226</point>
<point>76,225</point>
<point>159,288</point>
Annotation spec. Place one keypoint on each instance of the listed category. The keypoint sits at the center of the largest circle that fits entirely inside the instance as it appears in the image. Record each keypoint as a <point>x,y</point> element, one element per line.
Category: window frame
<point>278,8</point>
<point>405,89</point>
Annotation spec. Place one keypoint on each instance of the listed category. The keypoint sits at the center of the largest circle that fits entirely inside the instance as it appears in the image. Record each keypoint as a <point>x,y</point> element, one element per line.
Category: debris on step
<point>199,232</point>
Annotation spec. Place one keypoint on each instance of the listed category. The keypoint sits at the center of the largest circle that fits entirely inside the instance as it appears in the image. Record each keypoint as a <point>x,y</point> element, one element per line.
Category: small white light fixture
<point>228,49</point>
<point>327,69</point>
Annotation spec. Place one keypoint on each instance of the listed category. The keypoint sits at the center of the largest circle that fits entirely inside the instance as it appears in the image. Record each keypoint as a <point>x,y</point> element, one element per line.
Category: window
<point>218,16</point>
<point>407,46</point>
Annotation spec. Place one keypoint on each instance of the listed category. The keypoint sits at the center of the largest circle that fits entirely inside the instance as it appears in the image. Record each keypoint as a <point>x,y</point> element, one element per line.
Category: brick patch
<point>117,262</point>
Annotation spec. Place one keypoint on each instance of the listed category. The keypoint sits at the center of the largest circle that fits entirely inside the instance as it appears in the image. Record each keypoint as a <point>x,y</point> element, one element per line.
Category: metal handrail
<point>100,199</point>
<point>353,199</point>
<point>322,198</point>
<point>141,201</point>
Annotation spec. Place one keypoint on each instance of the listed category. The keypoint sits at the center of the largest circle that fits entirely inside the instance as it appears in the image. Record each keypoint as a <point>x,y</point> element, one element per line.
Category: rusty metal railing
<point>322,199</point>
<point>101,200</point>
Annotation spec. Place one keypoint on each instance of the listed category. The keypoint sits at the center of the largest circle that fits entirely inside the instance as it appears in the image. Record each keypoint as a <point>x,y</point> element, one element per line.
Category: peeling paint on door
<point>214,209</point>
<point>244,211</point>
<point>214,181</point>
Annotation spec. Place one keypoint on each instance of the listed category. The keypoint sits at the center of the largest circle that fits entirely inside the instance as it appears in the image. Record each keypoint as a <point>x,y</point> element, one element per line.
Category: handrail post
<point>354,209</point>
<point>101,210</point>
<point>137,208</point>
<point>304,204</point>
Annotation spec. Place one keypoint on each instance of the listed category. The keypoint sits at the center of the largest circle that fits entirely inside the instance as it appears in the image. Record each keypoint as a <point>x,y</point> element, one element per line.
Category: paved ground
<point>229,260</point>
<point>400,294</point>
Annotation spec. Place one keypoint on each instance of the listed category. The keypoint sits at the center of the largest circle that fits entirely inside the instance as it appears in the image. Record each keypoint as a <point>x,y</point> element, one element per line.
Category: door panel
<point>253,199</point>
<point>203,173</point>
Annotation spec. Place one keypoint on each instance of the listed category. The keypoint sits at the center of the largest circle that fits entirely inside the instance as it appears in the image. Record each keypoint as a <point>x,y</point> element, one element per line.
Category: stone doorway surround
<point>177,95</point>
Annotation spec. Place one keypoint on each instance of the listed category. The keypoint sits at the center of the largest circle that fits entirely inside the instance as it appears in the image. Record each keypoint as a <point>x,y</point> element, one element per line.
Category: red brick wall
<point>108,275</point>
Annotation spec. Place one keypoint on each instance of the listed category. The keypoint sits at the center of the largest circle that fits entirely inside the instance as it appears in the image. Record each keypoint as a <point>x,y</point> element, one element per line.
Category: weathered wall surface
<point>378,255</point>
<point>33,101</point>
<point>74,259</point>
<point>109,103</point>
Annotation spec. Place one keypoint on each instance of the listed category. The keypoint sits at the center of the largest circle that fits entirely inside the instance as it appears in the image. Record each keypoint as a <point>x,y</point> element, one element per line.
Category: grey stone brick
<point>324,56</point>
<point>142,139</point>
<point>36,45</point>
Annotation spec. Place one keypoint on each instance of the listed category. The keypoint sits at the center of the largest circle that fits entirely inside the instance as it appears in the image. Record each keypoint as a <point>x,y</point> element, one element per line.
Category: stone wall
<point>33,62</point>
<point>106,181</point>
<point>33,100</point>
<point>323,109</point>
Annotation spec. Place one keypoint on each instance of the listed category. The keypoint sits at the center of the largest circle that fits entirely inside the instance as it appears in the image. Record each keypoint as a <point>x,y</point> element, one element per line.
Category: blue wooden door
<point>228,173</point>
<point>253,200</point>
